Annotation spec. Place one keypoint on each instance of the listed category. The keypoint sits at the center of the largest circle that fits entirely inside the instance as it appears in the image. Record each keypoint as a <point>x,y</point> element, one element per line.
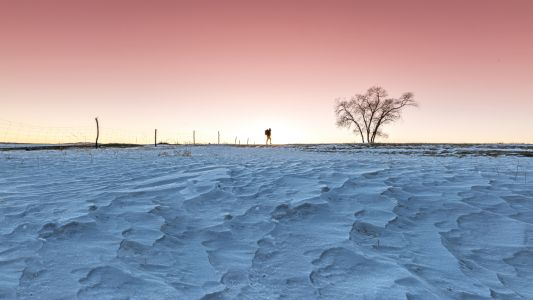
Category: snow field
<point>264,223</point>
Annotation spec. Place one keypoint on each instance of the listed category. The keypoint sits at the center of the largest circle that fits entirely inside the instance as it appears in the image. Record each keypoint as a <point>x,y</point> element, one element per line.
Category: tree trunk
<point>376,130</point>
<point>360,132</point>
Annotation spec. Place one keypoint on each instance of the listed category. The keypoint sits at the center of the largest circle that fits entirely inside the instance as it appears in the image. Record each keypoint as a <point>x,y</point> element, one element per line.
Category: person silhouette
<point>268,134</point>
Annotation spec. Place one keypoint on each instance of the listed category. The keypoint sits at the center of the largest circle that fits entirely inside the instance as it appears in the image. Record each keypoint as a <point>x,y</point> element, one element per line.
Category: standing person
<point>268,133</point>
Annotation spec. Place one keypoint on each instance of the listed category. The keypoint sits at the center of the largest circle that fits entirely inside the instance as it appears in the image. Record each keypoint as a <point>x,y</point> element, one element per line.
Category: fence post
<point>194,137</point>
<point>155,138</point>
<point>97,133</point>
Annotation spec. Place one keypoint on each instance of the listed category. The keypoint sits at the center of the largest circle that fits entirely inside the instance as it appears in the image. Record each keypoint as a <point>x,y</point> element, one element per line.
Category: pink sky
<point>242,66</point>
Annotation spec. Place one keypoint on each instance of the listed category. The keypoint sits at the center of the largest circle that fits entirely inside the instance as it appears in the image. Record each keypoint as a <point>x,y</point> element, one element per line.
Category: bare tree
<point>367,113</point>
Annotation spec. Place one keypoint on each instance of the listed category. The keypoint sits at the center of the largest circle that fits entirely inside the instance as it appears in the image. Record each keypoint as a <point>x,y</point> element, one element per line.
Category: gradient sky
<point>242,66</point>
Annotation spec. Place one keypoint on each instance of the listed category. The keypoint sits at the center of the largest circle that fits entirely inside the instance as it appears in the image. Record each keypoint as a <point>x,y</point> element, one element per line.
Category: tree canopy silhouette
<point>367,113</point>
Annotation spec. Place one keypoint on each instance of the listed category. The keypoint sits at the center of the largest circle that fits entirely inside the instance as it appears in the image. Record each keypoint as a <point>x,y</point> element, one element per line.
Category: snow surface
<point>223,222</point>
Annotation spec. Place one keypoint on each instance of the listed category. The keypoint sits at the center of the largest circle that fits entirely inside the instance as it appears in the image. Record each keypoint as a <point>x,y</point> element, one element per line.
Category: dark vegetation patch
<point>441,150</point>
<point>26,147</point>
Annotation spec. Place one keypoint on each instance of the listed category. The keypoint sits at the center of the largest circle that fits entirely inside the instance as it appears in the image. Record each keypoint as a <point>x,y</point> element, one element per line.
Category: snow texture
<point>300,222</point>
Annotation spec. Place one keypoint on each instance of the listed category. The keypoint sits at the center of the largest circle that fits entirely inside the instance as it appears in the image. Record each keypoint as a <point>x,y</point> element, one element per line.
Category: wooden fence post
<point>97,132</point>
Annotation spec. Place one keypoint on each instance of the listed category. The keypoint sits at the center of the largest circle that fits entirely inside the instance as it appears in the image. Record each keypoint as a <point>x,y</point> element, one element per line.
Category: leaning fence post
<point>97,133</point>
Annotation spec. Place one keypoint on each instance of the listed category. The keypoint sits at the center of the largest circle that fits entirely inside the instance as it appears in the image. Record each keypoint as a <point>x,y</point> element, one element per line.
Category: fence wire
<point>23,133</point>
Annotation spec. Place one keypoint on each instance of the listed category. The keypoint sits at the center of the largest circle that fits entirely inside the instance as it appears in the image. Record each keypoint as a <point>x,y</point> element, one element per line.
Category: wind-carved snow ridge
<point>297,222</point>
